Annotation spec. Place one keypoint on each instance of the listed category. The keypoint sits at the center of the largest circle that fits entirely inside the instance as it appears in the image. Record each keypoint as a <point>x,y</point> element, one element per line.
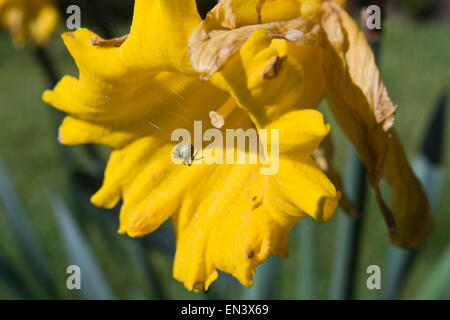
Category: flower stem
<point>46,63</point>
<point>348,230</point>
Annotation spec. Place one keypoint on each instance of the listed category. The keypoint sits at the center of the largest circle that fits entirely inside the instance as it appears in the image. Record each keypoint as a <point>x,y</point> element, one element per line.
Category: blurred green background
<point>415,67</point>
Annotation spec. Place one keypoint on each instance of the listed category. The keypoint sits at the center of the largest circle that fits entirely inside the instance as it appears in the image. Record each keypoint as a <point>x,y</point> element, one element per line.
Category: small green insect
<point>185,152</point>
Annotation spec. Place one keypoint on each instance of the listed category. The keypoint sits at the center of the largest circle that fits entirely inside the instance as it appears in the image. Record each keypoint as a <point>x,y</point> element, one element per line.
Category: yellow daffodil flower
<point>249,65</point>
<point>337,63</point>
<point>29,20</point>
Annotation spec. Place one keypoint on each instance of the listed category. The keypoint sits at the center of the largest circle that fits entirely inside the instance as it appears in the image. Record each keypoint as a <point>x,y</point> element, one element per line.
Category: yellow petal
<point>74,131</point>
<point>279,10</point>
<point>301,184</point>
<point>229,224</point>
<point>263,83</point>
<point>218,227</point>
<point>159,35</point>
<point>300,132</point>
<point>310,58</point>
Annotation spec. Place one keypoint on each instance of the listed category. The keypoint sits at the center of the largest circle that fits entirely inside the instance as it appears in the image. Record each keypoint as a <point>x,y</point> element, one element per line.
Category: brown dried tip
<point>273,68</point>
<point>250,254</point>
<point>115,42</point>
<point>256,203</point>
<point>387,214</point>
